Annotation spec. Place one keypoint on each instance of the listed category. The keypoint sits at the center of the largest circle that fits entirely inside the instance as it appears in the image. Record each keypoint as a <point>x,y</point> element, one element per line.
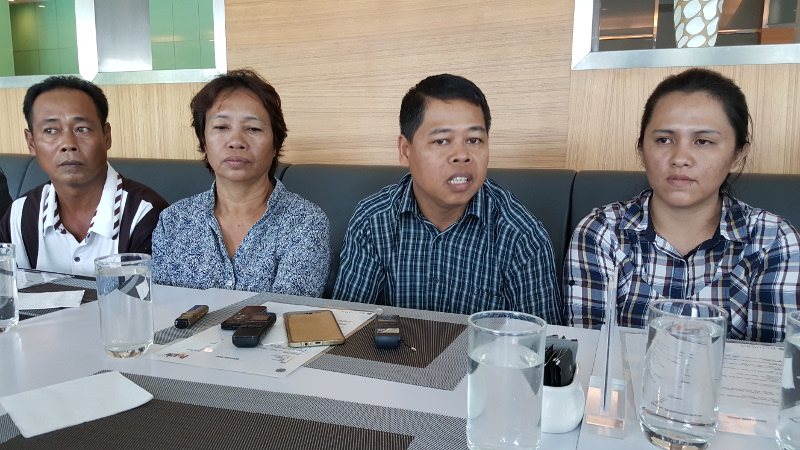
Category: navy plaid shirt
<point>496,257</point>
<point>749,267</point>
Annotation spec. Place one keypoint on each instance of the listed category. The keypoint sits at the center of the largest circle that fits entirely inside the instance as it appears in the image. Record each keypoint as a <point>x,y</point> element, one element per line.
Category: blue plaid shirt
<point>750,267</point>
<point>497,256</point>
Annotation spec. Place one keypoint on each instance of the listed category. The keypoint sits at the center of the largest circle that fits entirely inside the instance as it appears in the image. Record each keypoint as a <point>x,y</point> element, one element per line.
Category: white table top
<point>65,345</point>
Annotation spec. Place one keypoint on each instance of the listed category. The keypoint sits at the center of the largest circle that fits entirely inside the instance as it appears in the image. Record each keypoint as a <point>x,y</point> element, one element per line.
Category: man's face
<point>448,156</point>
<point>67,138</point>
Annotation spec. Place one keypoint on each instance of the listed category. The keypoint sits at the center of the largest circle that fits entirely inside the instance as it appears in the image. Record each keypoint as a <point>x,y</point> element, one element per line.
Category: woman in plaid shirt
<point>686,237</point>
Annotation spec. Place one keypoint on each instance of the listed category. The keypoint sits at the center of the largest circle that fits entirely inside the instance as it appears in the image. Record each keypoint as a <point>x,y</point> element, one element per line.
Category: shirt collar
<point>408,203</point>
<point>732,222</point>
<point>107,216</point>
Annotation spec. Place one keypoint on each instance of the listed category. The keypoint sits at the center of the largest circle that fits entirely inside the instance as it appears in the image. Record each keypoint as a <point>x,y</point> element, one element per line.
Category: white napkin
<point>73,402</point>
<point>47,300</point>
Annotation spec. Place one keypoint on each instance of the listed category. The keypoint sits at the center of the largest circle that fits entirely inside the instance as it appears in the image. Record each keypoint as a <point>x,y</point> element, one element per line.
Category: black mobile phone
<point>249,333</point>
<point>387,331</point>
<point>243,315</point>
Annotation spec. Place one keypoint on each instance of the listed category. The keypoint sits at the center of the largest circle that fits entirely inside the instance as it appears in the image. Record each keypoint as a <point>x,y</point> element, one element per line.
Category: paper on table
<point>749,389</point>
<point>750,392</point>
<point>214,349</point>
<point>73,402</point>
<point>28,278</point>
<point>47,300</point>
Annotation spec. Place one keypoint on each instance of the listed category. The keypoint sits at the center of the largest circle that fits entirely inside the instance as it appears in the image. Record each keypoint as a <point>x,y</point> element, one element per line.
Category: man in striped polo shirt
<point>446,238</point>
<point>87,209</point>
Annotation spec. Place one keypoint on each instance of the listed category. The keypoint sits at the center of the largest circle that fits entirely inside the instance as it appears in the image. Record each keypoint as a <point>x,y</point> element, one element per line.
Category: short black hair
<point>65,82</point>
<point>441,87</point>
<point>226,84</point>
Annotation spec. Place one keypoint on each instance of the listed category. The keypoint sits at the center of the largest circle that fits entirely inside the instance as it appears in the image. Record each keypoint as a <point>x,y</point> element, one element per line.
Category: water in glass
<point>126,312</point>
<point>683,366</point>
<point>788,430</point>
<point>9,313</point>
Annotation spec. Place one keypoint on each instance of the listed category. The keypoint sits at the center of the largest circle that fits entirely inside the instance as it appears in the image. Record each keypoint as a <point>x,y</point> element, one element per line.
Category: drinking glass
<point>682,370</point>
<point>9,309</point>
<point>788,431</point>
<point>504,380</point>
<point>126,310</point>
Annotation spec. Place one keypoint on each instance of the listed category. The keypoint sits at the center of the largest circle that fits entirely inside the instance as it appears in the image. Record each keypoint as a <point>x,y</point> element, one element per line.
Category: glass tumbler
<point>9,308</point>
<point>682,370</point>
<point>126,309</point>
<point>504,380</point>
<point>788,430</point>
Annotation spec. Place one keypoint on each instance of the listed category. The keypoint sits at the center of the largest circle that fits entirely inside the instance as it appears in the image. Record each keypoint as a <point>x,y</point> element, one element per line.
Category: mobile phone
<point>191,316</point>
<point>310,328</point>
<point>250,332</point>
<point>233,322</point>
<point>387,331</point>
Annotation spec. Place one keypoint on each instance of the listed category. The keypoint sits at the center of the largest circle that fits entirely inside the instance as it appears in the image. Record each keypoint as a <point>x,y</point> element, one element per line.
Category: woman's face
<point>239,141</point>
<point>689,148</point>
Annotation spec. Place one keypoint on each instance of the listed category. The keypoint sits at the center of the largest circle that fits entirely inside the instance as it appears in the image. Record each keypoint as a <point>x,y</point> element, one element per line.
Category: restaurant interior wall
<point>342,67</point>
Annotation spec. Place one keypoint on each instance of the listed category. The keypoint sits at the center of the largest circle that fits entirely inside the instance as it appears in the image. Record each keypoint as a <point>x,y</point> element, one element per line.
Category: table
<point>65,345</point>
<point>634,438</point>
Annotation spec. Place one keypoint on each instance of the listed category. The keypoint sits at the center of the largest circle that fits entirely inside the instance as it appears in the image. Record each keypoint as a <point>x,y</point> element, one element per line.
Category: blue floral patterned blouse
<point>287,251</point>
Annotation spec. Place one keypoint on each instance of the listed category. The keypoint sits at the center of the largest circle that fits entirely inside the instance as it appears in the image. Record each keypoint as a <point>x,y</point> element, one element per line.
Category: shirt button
<point>229,283</point>
<point>77,259</point>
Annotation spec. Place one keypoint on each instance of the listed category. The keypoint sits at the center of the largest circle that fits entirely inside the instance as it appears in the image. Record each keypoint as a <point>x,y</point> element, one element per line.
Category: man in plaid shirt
<point>446,238</point>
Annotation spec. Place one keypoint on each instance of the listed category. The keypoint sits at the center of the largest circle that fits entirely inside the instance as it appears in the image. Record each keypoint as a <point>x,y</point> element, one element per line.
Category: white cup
<point>562,407</point>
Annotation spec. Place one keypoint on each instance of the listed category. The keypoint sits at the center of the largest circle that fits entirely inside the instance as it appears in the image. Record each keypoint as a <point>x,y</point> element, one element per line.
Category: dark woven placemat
<point>439,338</point>
<point>89,294</point>
<point>428,337</point>
<point>213,318</point>
<point>185,414</point>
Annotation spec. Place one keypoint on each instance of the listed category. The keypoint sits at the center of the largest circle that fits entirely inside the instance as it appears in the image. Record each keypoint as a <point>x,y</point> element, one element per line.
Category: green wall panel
<point>206,16</point>
<point>207,59</point>
<point>47,24</point>
<point>163,55</point>
<point>187,54</point>
<point>161,29</point>
<point>27,63</point>
<point>186,21</point>
<point>6,45</point>
<point>68,60</point>
<point>23,32</point>
<point>49,61</point>
<point>7,63</point>
<point>67,36</point>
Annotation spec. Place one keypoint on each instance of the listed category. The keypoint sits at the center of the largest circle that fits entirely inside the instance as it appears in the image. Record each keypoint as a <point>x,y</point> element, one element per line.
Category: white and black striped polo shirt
<point>123,222</point>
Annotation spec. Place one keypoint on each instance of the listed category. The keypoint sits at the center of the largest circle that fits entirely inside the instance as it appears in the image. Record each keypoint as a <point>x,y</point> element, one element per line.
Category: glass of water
<point>788,431</point>
<point>9,312</point>
<point>126,310</point>
<point>682,371</point>
<point>504,380</point>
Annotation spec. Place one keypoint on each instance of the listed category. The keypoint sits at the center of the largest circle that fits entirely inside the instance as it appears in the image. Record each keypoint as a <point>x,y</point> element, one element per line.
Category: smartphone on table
<point>312,328</point>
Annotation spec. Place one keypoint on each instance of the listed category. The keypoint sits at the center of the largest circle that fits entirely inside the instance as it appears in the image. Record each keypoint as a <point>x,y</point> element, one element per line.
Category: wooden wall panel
<point>12,122</point>
<point>342,67</point>
<point>147,121</point>
<point>606,107</point>
<point>152,120</point>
